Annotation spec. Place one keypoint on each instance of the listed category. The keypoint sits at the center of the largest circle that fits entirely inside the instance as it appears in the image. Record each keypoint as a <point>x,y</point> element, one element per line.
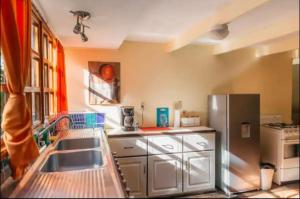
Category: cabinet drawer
<point>128,146</point>
<point>164,144</point>
<point>198,142</point>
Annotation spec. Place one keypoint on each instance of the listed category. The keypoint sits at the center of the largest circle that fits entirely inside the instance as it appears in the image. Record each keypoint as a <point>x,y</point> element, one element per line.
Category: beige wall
<point>157,78</point>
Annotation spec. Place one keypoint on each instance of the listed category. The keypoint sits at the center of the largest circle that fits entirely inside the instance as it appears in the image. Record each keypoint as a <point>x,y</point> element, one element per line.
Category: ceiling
<point>114,21</point>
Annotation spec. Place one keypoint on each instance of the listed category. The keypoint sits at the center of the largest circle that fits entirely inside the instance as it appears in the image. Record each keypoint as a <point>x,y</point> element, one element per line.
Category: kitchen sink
<point>60,162</point>
<point>82,143</point>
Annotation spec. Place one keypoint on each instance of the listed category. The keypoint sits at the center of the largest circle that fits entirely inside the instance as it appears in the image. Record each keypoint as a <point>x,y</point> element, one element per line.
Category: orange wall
<point>157,78</point>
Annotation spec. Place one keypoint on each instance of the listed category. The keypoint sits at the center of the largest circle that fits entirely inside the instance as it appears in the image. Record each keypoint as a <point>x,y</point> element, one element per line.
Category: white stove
<point>280,146</point>
<point>287,131</point>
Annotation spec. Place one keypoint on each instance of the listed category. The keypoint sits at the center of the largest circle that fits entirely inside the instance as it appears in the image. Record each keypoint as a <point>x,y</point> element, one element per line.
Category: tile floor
<point>290,190</point>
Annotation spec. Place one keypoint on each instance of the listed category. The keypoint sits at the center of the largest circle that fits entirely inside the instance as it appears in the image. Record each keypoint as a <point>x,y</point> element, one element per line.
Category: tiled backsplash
<point>87,120</point>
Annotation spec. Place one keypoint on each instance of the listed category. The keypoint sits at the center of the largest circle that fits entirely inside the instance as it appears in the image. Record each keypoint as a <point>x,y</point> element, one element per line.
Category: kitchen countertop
<point>120,133</point>
<point>100,182</point>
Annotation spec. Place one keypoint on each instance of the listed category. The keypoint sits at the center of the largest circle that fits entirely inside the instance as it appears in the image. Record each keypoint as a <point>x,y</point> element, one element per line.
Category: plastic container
<point>266,174</point>
<point>190,121</point>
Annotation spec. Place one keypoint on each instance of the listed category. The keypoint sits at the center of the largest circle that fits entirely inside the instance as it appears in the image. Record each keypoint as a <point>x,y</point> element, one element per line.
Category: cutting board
<point>155,128</point>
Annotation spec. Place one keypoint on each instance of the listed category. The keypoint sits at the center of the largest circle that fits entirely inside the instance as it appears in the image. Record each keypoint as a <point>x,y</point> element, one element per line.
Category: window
<point>3,90</point>
<point>39,88</point>
<point>48,75</point>
<point>33,89</point>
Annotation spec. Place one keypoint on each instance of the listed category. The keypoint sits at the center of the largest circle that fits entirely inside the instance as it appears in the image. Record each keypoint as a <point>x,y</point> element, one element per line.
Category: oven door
<point>290,167</point>
<point>291,152</point>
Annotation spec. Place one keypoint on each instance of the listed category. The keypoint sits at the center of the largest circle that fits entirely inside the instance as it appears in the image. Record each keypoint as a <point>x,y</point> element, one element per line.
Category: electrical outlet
<point>142,105</point>
<point>178,105</point>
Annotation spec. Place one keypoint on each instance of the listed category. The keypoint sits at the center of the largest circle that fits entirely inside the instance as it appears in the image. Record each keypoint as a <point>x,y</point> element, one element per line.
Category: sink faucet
<point>53,127</point>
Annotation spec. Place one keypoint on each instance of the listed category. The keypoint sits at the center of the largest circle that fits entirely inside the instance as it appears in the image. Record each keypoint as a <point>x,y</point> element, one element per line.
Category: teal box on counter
<point>162,117</point>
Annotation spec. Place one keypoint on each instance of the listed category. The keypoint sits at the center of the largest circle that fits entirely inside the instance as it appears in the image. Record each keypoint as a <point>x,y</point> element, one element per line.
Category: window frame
<point>37,55</point>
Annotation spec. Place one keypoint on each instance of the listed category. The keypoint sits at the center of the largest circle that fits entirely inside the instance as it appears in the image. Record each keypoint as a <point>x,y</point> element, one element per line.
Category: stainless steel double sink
<point>74,154</point>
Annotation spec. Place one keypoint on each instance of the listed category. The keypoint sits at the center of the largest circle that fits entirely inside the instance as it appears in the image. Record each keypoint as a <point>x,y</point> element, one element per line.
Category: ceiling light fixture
<point>80,27</point>
<point>219,32</point>
<point>77,27</point>
<point>84,38</point>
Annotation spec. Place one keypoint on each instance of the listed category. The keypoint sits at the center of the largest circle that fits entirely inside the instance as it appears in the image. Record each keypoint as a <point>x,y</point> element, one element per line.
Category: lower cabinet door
<point>135,173</point>
<point>164,174</point>
<point>198,171</point>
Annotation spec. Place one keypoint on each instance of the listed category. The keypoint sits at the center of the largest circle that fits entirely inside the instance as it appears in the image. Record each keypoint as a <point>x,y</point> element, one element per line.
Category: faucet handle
<point>41,142</point>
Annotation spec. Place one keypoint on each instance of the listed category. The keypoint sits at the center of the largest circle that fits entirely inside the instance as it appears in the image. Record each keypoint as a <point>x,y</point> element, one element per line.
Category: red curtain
<point>62,104</point>
<point>15,43</point>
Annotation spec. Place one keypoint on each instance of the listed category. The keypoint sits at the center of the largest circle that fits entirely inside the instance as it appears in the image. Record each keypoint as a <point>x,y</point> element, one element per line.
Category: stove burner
<point>282,125</point>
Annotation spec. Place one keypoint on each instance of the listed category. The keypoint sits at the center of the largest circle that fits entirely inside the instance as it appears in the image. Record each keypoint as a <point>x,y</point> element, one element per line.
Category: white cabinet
<point>167,164</point>
<point>198,171</point>
<point>164,174</point>
<point>135,173</point>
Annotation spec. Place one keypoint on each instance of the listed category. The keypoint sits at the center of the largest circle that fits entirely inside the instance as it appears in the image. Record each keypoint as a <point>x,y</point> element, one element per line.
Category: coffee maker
<point>127,118</point>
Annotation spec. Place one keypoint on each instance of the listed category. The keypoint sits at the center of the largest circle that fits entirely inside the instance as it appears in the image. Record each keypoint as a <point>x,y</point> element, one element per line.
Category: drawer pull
<point>202,144</point>
<point>128,147</point>
<point>168,146</point>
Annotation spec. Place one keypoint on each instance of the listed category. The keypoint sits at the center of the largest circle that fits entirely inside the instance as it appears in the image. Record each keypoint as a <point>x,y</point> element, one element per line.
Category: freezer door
<point>243,142</point>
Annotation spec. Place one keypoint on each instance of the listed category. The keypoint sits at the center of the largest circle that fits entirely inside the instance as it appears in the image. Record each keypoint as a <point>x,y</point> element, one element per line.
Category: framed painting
<point>104,82</point>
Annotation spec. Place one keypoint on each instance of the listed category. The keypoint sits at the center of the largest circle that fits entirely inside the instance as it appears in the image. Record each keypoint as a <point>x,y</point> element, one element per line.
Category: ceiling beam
<point>282,45</point>
<point>225,14</point>
<point>273,31</point>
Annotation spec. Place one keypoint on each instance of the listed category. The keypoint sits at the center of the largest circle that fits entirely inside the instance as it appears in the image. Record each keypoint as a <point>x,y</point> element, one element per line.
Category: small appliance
<point>127,118</point>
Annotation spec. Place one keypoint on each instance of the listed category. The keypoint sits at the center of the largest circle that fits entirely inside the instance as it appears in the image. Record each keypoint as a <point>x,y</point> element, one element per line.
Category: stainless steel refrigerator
<point>236,119</point>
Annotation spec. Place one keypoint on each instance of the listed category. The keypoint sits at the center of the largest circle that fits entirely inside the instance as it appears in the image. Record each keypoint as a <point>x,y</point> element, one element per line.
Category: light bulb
<point>77,27</point>
<point>84,38</point>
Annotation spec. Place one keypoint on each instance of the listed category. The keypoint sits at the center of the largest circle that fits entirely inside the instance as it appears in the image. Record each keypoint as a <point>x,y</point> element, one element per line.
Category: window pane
<point>46,80</point>
<point>28,101</point>
<point>50,78</point>
<point>37,107</point>
<point>35,38</point>
<point>46,107</point>
<point>51,103</point>
<point>50,53</point>
<point>2,77</point>
<point>3,99</point>
<point>35,73</point>
<point>45,46</point>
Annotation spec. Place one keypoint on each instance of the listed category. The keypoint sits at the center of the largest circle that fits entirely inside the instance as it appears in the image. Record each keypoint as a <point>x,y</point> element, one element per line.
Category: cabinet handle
<point>202,144</point>
<point>144,169</point>
<point>168,146</point>
<point>187,165</point>
<point>128,147</point>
